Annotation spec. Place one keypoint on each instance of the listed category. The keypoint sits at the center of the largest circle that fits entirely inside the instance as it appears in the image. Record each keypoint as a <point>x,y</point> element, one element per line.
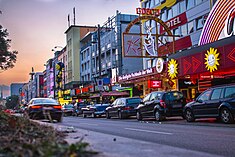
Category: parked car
<point>68,110</point>
<point>79,107</point>
<point>44,108</point>
<point>94,110</point>
<point>123,108</point>
<point>216,102</point>
<point>161,104</point>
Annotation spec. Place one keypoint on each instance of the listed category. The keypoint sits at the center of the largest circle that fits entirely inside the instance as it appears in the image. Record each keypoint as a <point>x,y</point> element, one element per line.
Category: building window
<point>151,3</point>
<point>182,6</point>
<point>198,2</point>
<point>149,63</point>
<point>190,4</point>
<point>184,30</point>
<point>169,14</point>
<point>176,31</point>
<point>157,2</point>
<point>163,16</point>
<point>199,23</point>
<point>175,10</point>
<point>190,27</point>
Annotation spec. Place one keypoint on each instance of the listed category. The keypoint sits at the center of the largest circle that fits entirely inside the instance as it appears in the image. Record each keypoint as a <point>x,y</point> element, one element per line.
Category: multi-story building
<point>101,52</point>
<point>73,36</point>
<point>185,19</point>
<point>16,88</point>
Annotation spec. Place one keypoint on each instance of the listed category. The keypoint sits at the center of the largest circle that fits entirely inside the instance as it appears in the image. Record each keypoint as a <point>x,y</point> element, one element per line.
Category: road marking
<point>90,124</point>
<point>149,131</point>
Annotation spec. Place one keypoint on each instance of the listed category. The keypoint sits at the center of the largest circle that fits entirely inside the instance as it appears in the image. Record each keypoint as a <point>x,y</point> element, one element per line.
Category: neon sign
<point>212,58</point>
<point>219,23</point>
<point>147,11</point>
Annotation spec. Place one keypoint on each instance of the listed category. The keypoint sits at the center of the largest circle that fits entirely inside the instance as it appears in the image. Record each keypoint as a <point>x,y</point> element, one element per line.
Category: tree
<point>7,57</point>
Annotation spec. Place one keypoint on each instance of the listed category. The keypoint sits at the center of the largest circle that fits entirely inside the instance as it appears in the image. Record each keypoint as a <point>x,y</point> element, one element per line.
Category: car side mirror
<point>199,100</point>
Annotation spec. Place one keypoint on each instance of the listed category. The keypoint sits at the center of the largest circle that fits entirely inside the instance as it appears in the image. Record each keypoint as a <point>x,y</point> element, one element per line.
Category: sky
<point>35,27</point>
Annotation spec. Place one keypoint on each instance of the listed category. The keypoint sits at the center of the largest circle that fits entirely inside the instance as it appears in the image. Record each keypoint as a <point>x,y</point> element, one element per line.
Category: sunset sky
<point>37,26</point>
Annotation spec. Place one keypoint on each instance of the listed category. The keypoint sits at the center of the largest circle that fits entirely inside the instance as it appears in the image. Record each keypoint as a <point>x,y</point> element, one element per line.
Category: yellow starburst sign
<point>212,58</point>
<point>172,68</point>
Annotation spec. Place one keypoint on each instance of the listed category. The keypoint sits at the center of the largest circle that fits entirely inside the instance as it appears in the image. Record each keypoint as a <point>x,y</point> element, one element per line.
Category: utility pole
<point>99,51</point>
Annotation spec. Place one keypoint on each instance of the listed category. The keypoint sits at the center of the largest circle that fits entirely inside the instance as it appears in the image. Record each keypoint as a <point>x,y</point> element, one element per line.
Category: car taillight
<point>127,108</point>
<point>57,107</point>
<point>162,104</point>
<point>35,107</point>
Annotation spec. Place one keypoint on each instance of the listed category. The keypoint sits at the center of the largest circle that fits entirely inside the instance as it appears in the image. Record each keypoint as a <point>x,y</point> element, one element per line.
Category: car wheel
<point>83,115</point>
<point>189,115</point>
<point>158,116</point>
<point>139,116</point>
<point>226,116</point>
<point>59,119</point>
<point>93,115</point>
<point>107,115</point>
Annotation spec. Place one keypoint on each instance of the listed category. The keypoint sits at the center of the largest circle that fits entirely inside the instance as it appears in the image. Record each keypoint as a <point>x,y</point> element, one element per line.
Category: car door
<point>143,106</point>
<point>200,105</point>
<point>150,104</point>
<point>113,108</point>
<point>213,104</point>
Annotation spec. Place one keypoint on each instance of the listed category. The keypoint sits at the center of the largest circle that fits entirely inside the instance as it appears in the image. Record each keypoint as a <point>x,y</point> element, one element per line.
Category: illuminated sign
<point>212,58</point>
<point>136,74</point>
<point>159,65</point>
<point>175,22</point>
<point>172,68</point>
<point>154,84</point>
<point>147,11</point>
<point>219,23</point>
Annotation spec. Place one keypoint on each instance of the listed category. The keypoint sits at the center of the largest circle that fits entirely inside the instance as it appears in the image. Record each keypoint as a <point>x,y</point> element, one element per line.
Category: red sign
<point>175,22</point>
<point>147,11</point>
<point>154,84</point>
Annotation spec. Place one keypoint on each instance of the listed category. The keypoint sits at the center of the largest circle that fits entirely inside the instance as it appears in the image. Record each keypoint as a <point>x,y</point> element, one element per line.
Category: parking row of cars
<point>217,102</point>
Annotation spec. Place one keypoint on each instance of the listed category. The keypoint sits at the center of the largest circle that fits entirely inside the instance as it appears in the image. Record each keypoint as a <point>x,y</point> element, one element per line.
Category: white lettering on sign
<point>173,22</point>
<point>229,29</point>
<point>156,84</point>
<point>135,74</point>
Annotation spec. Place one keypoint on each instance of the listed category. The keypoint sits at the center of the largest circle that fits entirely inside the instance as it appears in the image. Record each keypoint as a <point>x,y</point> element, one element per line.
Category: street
<point>174,137</point>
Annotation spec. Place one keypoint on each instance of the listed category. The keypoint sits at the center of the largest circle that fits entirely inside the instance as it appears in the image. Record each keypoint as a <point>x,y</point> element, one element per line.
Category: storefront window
<point>190,27</point>
<point>182,6</point>
<point>190,4</point>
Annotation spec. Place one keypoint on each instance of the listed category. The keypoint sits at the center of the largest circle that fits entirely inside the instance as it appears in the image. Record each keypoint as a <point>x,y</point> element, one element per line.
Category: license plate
<point>47,108</point>
<point>177,106</point>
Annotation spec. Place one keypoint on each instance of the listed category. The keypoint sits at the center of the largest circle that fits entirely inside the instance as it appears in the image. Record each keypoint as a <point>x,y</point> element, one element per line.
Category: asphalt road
<point>202,138</point>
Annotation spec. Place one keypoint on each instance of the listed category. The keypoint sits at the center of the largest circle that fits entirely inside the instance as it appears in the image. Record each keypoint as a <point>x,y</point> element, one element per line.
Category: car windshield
<point>45,101</point>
